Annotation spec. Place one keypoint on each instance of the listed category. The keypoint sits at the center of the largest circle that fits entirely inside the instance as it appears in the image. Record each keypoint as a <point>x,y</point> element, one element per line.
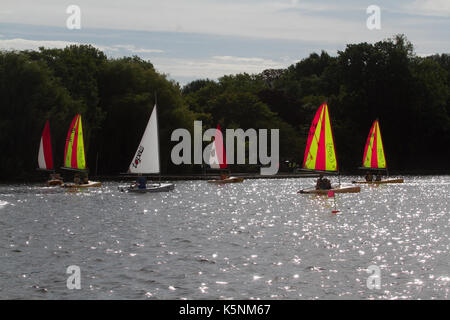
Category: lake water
<point>253,240</point>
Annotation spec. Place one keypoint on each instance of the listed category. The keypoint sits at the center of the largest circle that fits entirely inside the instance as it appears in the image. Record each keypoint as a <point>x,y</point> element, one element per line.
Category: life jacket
<point>142,182</point>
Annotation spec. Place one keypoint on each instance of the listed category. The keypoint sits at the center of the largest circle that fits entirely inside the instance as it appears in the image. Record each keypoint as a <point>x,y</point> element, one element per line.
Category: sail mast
<point>157,137</point>
<point>335,151</point>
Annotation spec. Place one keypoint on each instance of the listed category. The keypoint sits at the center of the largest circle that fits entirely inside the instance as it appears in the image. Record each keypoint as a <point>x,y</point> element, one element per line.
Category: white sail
<point>41,159</point>
<point>146,159</point>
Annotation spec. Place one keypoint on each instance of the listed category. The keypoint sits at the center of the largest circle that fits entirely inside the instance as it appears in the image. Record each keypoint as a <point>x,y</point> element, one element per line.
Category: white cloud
<point>232,59</point>
<point>24,44</point>
<point>131,48</point>
<point>215,67</point>
<point>19,44</point>
<point>440,8</point>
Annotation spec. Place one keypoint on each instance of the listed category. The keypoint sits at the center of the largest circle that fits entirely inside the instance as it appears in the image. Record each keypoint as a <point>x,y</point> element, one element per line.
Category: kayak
<point>350,189</point>
<point>379,182</point>
<point>150,188</point>
<point>84,185</point>
<point>227,180</point>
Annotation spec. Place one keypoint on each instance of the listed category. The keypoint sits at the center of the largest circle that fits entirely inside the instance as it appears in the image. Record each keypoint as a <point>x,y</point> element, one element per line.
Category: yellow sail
<point>74,156</point>
<point>374,151</point>
<point>320,153</point>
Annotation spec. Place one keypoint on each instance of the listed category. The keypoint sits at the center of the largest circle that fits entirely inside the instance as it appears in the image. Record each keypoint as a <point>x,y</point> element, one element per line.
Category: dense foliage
<point>409,94</point>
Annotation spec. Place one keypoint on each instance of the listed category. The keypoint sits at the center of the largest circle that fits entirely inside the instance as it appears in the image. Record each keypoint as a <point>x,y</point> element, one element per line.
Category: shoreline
<point>210,176</point>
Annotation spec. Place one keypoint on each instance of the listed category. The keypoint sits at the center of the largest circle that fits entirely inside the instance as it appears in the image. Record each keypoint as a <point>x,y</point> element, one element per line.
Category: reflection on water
<point>253,240</point>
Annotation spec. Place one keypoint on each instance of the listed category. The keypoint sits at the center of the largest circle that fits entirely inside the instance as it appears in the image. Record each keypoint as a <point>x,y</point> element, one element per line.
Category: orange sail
<point>374,151</point>
<point>320,153</point>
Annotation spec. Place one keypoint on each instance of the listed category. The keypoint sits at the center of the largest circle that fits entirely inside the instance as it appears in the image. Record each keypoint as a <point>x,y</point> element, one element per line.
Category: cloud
<point>133,49</point>
<point>440,8</point>
<point>24,44</point>
<point>232,59</point>
<point>325,21</point>
<point>214,67</point>
<point>19,44</point>
<point>263,19</point>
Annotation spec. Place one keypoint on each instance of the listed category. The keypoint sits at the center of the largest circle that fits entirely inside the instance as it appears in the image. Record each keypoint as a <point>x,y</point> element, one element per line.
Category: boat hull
<point>227,180</point>
<point>379,182</point>
<point>350,189</point>
<point>54,182</point>
<point>90,184</point>
<point>163,187</point>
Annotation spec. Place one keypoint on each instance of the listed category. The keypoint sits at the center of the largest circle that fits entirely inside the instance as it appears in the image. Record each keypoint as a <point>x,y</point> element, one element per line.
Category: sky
<point>197,39</point>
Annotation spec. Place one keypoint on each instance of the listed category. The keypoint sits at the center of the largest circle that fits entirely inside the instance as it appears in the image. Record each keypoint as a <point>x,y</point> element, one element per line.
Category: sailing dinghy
<point>74,155</point>
<point>147,160</point>
<point>374,156</point>
<point>45,157</point>
<point>218,159</point>
<point>320,152</point>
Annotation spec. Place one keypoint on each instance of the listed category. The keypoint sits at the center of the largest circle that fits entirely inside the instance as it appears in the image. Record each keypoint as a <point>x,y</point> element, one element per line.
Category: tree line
<point>410,95</point>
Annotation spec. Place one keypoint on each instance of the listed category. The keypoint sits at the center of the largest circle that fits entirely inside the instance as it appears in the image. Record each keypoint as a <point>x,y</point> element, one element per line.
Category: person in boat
<point>84,179</point>
<point>323,183</point>
<point>378,177</point>
<point>141,182</point>
<point>223,176</point>
<point>76,178</point>
<point>369,176</point>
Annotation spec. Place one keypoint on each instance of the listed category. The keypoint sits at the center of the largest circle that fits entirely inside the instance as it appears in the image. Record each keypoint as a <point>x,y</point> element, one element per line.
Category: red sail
<point>220,148</point>
<point>45,157</point>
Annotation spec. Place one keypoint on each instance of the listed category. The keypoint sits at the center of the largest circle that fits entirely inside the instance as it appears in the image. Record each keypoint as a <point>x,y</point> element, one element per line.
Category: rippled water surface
<point>251,240</point>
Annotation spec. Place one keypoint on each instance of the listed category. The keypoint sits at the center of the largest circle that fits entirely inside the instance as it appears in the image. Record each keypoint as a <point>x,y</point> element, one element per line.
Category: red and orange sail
<point>374,151</point>
<point>45,157</point>
<point>74,151</point>
<point>320,153</point>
